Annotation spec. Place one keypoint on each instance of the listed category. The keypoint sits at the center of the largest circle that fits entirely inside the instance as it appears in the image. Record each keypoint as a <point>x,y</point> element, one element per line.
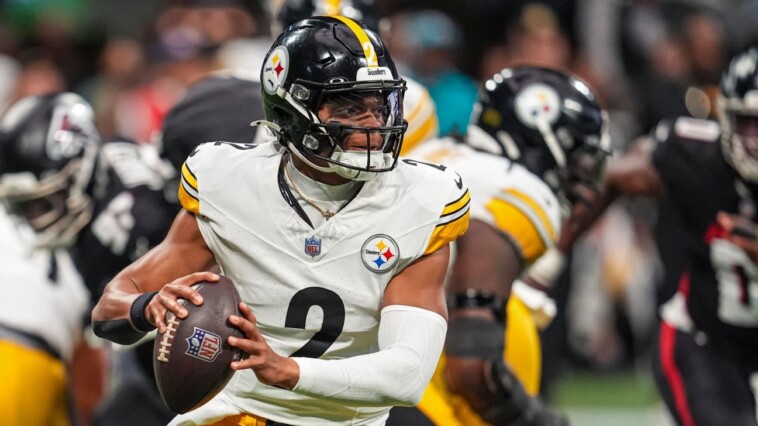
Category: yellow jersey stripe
<point>189,201</point>
<point>536,208</point>
<point>368,47</point>
<point>519,228</point>
<point>456,205</point>
<point>444,234</point>
<point>188,176</point>
<point>420,134</point>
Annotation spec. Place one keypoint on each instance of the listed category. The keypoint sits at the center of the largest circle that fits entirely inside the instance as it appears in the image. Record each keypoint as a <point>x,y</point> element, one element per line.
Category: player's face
<point>359,110</point>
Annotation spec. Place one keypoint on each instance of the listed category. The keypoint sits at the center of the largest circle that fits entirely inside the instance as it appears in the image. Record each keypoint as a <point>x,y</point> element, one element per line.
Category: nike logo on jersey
<point>458,181</point>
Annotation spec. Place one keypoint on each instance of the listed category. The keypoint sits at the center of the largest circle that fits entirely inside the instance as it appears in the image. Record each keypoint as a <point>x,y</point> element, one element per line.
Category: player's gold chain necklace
<point>327,214</point>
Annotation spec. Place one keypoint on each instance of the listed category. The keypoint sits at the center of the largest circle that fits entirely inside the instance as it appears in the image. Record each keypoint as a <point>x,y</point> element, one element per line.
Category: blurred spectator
<point>425,45</point>
<point>39,75</point>
<point>122,65</point>
<point>536,38</point>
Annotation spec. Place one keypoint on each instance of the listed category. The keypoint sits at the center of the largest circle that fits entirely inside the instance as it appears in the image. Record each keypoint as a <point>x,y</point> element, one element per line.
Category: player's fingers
<point>158,314</point>
<point>198,277</point>
<point>171,304</point>
<point>179,291</point>
<point>247,312</point>
<point>248,327</point>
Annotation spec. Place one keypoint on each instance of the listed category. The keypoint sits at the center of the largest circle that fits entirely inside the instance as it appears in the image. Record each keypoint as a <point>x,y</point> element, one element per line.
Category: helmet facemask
<point>739,137</point>
<point>52,150</point>
<point>56,207</point>
<point>356,128</point>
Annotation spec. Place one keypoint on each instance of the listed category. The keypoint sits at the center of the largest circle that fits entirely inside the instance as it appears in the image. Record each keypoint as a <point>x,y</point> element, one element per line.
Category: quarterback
<point>338,248</point>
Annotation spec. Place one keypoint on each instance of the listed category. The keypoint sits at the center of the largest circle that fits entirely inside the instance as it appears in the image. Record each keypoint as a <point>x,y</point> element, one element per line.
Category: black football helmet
<point>220,107</point>
<point>737,110</point>
<point>546,120</point>
<point>48,150</point>
<point>334,61</point>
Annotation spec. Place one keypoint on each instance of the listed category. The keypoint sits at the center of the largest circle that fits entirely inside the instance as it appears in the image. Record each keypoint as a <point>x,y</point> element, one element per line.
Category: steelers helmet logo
<point>538,103</point>
<point>380,253</point>
<point>275,69</point>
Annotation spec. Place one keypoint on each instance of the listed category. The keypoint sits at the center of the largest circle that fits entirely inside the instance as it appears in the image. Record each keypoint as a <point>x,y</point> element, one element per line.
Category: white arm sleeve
<point>410,343</point>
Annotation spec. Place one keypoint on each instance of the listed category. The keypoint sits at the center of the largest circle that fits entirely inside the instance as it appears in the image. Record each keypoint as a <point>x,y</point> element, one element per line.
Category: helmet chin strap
<point>331,168</point>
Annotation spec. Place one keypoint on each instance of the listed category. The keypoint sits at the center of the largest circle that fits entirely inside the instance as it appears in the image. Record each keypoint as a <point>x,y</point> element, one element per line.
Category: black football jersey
<point>131,213</point>
<point>718,279</point>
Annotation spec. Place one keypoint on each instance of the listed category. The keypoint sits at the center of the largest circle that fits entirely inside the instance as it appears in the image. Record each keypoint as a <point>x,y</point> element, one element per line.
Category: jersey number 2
<point>333,309</point>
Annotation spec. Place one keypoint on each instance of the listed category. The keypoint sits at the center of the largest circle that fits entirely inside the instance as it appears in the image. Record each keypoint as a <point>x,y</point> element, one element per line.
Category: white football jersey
<point>503,194</point>
<point>315,292</point>
<point>44,293</point>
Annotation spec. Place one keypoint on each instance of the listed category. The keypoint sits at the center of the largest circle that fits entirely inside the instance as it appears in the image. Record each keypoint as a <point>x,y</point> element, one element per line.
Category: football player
<point>41,314</point>
<point>705,174</point>
<point>104,202</point>
<point>327,217</point>
<point>536,146</point>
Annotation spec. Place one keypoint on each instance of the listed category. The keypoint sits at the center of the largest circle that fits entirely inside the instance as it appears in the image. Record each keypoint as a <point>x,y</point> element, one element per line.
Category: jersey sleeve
<point>529,219</point>
<point>454,217</point>
<point>189,189</point>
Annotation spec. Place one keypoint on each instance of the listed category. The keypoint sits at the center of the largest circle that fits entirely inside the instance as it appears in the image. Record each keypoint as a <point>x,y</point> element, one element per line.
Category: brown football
<point>191,360</point>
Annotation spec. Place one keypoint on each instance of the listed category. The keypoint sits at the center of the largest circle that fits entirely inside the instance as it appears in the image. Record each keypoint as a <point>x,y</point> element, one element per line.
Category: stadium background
<point>647,59</point>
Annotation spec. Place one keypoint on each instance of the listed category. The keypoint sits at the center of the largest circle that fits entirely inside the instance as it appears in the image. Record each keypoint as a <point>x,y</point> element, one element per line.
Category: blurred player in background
<point>41,316</point>
<point>286,222</point>
<point>104,202</point>
<point>536,145</point>
<point>705,174</point>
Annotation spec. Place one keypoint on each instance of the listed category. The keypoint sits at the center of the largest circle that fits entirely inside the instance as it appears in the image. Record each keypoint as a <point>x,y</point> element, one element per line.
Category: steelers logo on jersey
<point>275,69</point>
<point>380,253</point>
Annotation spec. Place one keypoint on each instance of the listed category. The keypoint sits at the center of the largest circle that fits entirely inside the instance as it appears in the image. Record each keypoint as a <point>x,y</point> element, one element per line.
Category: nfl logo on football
<point>313,246</point>
<point>204,345</point>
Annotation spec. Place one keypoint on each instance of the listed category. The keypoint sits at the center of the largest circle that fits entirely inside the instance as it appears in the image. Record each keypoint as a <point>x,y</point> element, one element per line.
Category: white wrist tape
<point>543,307</point>
<point>546,269</point>
<point>410,343</point>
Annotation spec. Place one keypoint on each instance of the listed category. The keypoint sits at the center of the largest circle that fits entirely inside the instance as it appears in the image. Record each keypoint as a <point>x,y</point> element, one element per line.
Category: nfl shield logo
<point>313,246</point>
<point>204,345</point>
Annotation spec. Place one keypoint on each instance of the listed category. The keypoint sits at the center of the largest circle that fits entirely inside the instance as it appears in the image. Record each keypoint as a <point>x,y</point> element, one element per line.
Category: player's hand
<point>165,300</point>
<point>741,232</point>
<point>580,218</point>
<point>270,368</point>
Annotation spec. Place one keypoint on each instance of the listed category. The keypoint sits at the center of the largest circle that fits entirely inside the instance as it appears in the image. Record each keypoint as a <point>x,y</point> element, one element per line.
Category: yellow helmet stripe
<point>368,47</point>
